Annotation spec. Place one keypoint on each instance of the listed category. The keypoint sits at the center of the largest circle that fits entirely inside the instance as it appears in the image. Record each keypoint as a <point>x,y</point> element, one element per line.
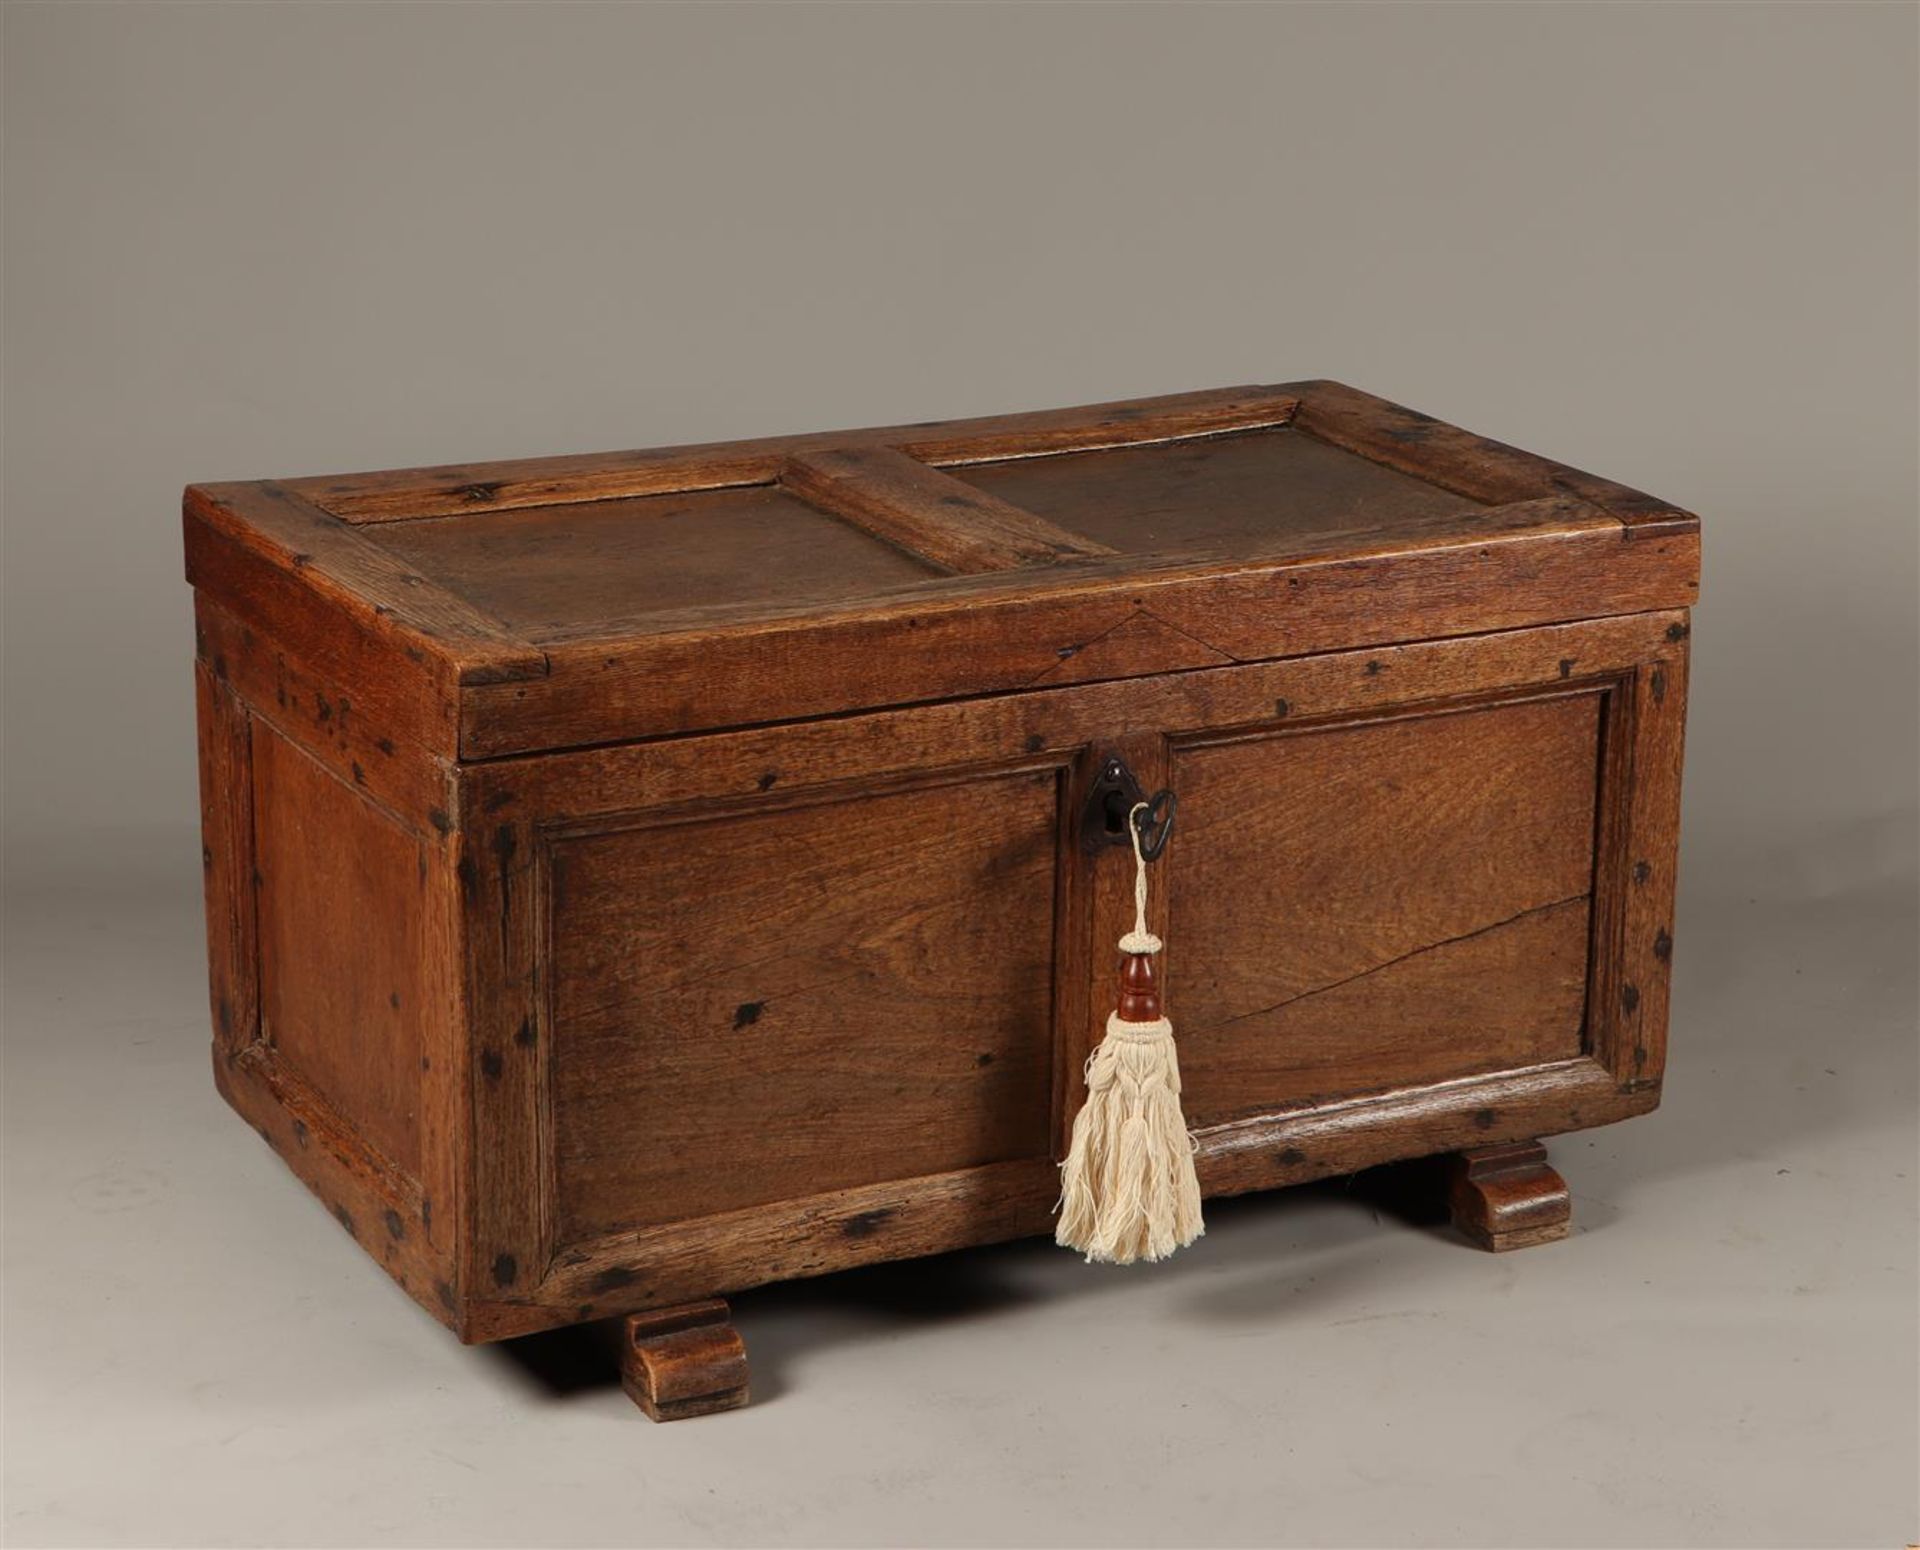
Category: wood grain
<point>706,678</point>
<point>269,555</point>
<point>1132,717</point>
<point>560,573</point>
<point>728,561</point>
<point>506,1164</point>
<point>792,1239</point>
<point>660,1266</point>
<point>818,983</point>
<point>356,742</point>
<point>412,493</point>
<point>1504,997</point>
<point>1137,646</point>
<point>560,607</point>
<point>588,602</point>
<point>381,1209</point>
<point>927,513</point>
<point>858,756</point>
<point>227,862</point>
<point>1477,466</point>
<point>1355,908</point>
<point>627,883</point>
<point>677,1363</point>
<point>1252,493</point>
<point>1336,1138</point>
<point>1639,859</point>
<point>387,1211</point>
<point>1508,1197</point>
<point>340,900</point>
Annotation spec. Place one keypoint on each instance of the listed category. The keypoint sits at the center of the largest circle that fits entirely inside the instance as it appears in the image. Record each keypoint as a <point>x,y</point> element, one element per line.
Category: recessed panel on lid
<point>1249,493</point>
<point>571,572</point>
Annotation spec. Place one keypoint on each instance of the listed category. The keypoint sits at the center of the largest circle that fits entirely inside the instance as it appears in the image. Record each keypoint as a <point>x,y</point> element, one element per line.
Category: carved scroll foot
<point>1507,1197</point>
<point>684,1361</point>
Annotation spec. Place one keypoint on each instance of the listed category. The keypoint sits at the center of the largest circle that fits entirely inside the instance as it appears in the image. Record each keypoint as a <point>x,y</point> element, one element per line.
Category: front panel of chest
<point>852,988</point>
<point>1382,904</point>
<point>760,1004</point>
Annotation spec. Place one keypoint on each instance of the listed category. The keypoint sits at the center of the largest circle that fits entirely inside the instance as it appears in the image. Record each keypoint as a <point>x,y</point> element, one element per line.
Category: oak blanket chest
<point>634,878</point>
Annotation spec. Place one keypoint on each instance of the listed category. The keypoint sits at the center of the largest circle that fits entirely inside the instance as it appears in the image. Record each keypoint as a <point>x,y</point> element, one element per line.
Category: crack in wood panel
<point>1151,645</point>
<point>1394,962</point>
<point>1491,1000</point>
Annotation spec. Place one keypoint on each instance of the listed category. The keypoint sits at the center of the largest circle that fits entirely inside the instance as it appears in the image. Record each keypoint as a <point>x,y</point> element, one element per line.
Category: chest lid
<point>563,602</point>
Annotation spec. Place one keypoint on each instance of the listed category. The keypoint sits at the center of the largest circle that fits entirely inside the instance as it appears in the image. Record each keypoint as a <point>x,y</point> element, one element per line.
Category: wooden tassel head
<point>1139,989</point>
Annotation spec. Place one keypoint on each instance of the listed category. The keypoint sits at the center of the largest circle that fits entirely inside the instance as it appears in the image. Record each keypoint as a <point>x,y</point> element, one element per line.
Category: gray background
<point>1673,244</point>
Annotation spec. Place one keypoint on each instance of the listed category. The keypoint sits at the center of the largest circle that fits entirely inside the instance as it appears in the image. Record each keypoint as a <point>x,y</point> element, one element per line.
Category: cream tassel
<point>1128,1189</point>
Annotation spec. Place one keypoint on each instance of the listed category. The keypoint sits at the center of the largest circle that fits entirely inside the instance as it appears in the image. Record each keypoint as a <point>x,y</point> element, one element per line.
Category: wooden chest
<point>631,878</point>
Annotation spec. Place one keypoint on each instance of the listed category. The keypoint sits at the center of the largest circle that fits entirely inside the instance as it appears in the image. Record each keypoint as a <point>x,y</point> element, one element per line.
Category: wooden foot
<point>1507,1197</point>
<point>684,1361</point>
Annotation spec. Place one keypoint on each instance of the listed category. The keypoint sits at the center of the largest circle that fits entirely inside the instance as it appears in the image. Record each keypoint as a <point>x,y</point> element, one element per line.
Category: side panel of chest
<point>761,1004</point>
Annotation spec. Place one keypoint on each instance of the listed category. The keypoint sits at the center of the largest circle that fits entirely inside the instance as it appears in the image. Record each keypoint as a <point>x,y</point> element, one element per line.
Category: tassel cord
<point>1139,939</point>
